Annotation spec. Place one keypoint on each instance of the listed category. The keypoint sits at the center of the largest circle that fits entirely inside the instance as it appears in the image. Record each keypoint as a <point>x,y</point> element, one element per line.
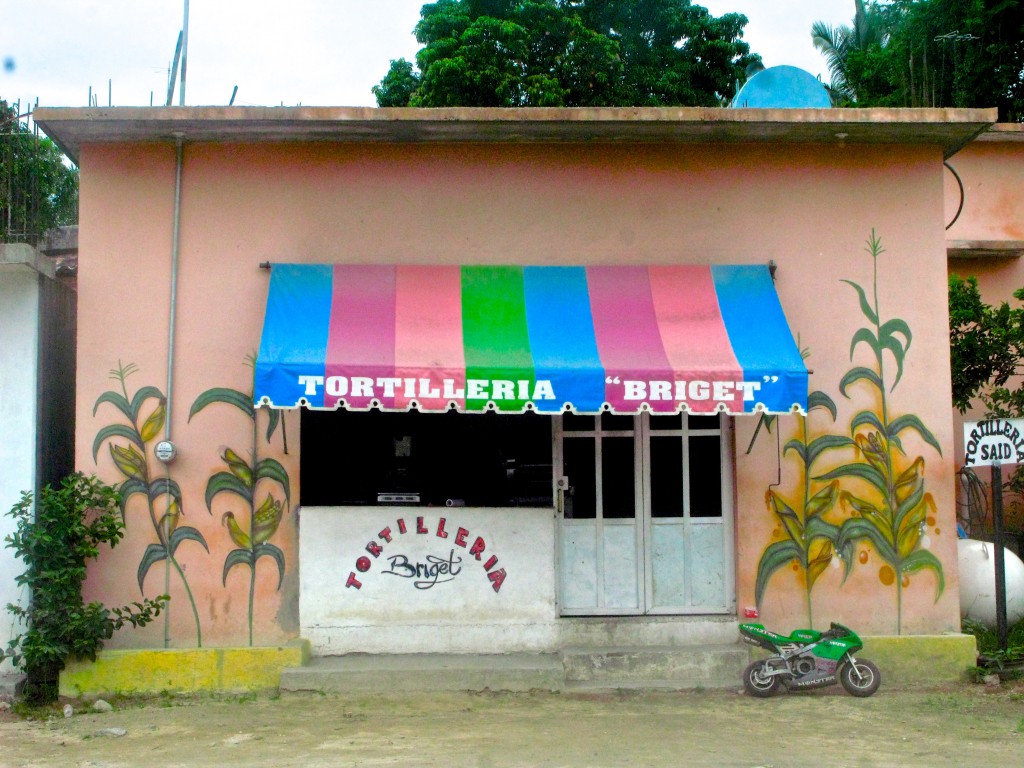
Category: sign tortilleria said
<point>994,441</point>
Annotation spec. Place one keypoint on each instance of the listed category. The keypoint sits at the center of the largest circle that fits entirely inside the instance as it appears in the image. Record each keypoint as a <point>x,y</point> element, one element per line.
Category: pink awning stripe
<point>361,341</point>
<point>428,336</point>
<point>693,332</point>
<point>626,329</point>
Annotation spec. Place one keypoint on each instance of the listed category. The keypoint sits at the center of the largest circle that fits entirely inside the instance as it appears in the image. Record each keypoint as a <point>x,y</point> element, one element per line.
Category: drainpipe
<point>168,453</point>
<point>174,285</point>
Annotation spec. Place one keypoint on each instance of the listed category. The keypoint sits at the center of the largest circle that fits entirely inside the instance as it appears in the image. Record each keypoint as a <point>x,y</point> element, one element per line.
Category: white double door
<point>645,515</point>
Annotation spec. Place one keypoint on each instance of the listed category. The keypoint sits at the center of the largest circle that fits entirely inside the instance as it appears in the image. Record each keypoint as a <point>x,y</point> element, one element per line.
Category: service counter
<point>416,579</point>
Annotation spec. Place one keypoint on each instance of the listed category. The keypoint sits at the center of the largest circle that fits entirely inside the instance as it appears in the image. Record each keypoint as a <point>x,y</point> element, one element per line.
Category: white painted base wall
<point>19,323</point>
<point>377,605</point>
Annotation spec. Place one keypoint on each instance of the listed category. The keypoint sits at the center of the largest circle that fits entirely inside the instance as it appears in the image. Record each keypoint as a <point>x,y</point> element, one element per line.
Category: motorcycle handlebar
<point>836,631</point>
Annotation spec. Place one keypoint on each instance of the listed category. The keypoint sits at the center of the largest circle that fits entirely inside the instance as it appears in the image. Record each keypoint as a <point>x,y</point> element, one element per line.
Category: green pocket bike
<point>808,659</point>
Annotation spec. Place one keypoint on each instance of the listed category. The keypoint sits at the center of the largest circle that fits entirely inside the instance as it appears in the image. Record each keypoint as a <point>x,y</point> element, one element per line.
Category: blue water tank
<point>782,87</point>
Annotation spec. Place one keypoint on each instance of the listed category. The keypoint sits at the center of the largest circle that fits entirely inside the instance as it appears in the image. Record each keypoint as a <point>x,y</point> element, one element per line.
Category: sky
<point>293,52</point>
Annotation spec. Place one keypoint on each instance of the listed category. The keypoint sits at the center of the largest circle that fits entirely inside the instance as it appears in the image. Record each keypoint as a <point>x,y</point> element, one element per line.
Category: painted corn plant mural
<point>244,477</point>
<point>891,510</point>
<point>808,538</point>
<point>143,417</point>
<point>877,496</point>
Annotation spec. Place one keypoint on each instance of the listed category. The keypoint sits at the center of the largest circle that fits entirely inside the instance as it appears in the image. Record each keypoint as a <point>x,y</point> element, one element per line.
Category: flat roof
<point>1004,132</point>
<point>73,127</point>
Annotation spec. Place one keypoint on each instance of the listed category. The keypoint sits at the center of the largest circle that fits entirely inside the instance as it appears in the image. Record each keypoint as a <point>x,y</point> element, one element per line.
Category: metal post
<point>184,56</point>
<point>997,535</point>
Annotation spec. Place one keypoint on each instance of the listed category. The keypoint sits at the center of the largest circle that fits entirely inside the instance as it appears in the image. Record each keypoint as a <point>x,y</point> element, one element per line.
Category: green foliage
<point>842,45</point>
<point>986,345</point>
<point>37,190</point>
<point>555,53</point>
<point>55,538</point>
<point>991,656</point>
<point>398,85</point>
<point>930,53</point>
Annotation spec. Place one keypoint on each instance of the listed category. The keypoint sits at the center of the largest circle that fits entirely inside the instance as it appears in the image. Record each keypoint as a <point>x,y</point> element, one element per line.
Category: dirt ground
<point>955,726</point>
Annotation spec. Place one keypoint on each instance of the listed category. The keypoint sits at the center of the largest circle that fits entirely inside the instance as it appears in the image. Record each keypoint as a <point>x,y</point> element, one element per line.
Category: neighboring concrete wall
<point>19,324</point>
<point>992,170</point>
<point>989,235</point>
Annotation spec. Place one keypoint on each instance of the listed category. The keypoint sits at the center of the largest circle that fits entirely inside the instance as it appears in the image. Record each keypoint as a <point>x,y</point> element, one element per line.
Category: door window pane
<point>666,477</point>
<point>674,421</point>
<point>572,422</point>
<point>705,477</point>
<point>615,422</point>
<point>578,465</point>
<point>705,422</point>
<point>617,477</point>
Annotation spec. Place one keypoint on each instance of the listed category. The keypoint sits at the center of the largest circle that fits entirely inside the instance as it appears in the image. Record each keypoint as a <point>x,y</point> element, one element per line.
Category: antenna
<point>954,36</point>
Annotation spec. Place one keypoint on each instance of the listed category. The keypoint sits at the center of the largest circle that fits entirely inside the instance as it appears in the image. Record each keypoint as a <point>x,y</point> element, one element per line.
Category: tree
<point>986,346</point>
<point>932,53</point>
<point>842,43</point>
<point>398,85</point>
<point>37,190</point>
<point>504,53</point>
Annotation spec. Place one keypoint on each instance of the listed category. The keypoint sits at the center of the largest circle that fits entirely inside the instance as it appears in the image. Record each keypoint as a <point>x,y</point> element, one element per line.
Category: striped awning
<point>620,338</point>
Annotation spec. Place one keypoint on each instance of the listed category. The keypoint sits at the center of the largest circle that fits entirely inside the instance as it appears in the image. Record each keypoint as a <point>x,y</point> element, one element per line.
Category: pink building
<point>530,379</point>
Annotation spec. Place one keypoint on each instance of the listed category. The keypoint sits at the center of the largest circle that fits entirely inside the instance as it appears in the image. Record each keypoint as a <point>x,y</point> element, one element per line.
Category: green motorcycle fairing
<point>832,644</point>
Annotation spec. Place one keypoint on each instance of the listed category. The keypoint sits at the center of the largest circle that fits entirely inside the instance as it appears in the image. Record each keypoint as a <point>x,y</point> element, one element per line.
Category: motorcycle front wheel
<point>758,682</point>
<point>860,678</point>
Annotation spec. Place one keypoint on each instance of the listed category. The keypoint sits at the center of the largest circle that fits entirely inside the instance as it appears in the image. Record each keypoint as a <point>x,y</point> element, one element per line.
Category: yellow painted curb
<point>909,660</point>
<point>150,671</point>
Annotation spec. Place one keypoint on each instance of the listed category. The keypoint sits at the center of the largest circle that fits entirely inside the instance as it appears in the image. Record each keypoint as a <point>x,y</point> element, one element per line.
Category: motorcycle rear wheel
<point>757,683</point>
<point>860,678</point>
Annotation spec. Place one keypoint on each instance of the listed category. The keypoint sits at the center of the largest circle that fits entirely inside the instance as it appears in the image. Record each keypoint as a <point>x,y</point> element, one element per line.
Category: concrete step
<point>579,668</point>
<point>366,673</point>
<point>626,631</point>
<point>680,667</point>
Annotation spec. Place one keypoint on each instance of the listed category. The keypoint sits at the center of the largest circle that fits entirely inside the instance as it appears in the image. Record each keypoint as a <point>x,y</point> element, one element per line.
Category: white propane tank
<point>977,563</point>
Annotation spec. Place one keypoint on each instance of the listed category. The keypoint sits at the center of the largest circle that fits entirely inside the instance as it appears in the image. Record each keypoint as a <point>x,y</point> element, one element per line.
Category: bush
<point>55,543</point>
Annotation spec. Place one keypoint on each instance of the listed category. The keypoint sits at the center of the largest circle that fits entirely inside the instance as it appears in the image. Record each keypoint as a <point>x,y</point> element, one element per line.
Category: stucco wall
<point>810,209</point>
<point>19,336</point>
